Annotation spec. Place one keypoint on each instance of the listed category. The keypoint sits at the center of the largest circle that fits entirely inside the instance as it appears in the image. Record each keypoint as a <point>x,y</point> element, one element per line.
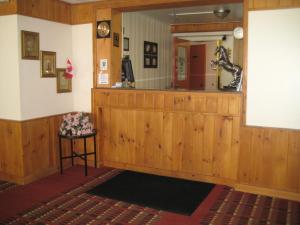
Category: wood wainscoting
<point>183,134</point>
<point>198,136</point>
<point>29,149</point>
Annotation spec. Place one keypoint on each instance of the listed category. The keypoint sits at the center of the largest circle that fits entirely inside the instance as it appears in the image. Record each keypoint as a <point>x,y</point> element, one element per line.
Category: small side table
<point>74,154</point>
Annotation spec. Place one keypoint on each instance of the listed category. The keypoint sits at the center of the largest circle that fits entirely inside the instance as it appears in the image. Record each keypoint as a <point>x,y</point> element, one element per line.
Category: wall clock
<point>103,29</point>
<point>238,33</point>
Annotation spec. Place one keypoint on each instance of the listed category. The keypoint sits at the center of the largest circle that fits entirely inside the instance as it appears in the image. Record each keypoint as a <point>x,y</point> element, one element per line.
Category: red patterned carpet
<point>62,199</point>
<point>4,186</point>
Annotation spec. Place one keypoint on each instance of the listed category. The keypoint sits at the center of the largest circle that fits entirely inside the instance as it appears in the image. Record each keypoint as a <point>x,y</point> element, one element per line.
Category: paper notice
<point>103,78</point>
<point>103,64</point>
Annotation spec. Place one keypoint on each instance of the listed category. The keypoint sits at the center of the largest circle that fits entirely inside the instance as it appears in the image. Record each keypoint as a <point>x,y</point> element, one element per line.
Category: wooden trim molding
<point>268,192</point>
<point>205,27</point>
<point>133,5</point>
<point>272,4</point>
<point>53,10</point>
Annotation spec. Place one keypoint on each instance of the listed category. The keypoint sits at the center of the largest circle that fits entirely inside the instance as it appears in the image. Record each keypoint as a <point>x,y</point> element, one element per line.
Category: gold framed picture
<point>62,83</point>
<point>30,45</point>
<point>48,64</point>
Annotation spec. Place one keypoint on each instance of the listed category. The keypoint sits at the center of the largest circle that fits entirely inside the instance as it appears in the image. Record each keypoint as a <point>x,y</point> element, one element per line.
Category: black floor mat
<point>163,193</point>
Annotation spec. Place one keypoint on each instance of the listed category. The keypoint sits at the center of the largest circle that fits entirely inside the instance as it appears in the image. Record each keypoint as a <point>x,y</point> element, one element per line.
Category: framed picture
<point>126,44</point>
<point>63,85</point>
<point>147,47</point>
<point>48,64</point>
<point>147,61</point>
<point>30,45</point>
<point>150,54</point>
<point>154,61</point>
<point>116,39</point>
<point>154,48</point>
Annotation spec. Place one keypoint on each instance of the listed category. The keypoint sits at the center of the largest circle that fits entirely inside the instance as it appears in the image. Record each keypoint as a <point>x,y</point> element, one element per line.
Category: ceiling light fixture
<point>220,13</point>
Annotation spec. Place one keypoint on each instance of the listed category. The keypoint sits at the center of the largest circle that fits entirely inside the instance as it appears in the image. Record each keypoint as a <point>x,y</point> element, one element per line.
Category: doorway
<point>189,65</point>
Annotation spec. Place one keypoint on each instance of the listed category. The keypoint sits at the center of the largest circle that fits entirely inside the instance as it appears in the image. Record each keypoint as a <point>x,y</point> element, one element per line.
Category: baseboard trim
<point>268,192</point>
<point>38,175</point>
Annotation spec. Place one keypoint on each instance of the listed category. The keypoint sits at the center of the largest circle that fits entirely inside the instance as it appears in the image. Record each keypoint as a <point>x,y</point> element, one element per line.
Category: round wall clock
<point>103,29</point>
<point>238,33</point>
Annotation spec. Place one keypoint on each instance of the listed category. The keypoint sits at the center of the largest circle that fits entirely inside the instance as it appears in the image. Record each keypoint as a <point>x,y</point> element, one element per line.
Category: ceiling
<point>167,15</point>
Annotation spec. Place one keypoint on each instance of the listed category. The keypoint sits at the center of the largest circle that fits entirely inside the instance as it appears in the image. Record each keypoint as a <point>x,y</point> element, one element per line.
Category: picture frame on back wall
<point>150,54</point>
<point>30,42</point>
<point>48,64</point>
<point>62,83</point>
<point>126,44</point>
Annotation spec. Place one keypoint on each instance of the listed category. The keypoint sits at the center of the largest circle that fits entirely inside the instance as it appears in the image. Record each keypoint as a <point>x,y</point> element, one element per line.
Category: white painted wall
<point>9,69</point>
<point>23,93</point>
<point>140,28</point>
<point>82,56</point>
<point>273,96</point>
<point>38,95</point>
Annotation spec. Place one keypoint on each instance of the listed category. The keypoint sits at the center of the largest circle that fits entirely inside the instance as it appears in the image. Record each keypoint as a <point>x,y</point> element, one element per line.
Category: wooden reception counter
<point>192,135</point>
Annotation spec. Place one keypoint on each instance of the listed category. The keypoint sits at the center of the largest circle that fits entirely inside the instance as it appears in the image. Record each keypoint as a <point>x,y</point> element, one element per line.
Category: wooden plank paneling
<point>200,135</point>
<point>269,158</point>
<point>204,27</point>
<point>106,50</point>
<point>170,134</point>
<point>154,4</point>
<point>272,4</point>
<point>83,13</point>
<point>11,160</point>
<point>8,8</point>
<point>53,10</point>
<point>29,149</point>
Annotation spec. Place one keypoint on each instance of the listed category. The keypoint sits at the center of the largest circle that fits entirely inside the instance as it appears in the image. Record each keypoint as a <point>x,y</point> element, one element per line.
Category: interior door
<point>197,67</point>
<point>181,64</point>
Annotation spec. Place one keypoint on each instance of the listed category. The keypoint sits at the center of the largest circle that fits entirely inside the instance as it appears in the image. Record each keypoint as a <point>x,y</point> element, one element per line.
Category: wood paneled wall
<point>29,149</point>
<point>272,4</point>
<point>270,158</point>
<point>53,10</point>
<point>204,27</point>
<point>11,158</point>
<point>8,8</point>
<point>178,134</point>
<point>106,50</point>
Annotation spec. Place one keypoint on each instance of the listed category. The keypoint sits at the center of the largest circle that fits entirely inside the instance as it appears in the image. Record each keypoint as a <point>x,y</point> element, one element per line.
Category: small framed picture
<point>154,49</point>
<point>154,61</point>
<point>147,47</point>
<point>116,39</point>
<point>48,64</point>
<point>147,61</point>
<point>30,45</point>
<point>126,44</point>
<point>62,83</point>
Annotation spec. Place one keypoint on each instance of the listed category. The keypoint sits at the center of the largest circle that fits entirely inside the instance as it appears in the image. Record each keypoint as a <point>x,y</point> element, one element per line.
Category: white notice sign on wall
<point>103,64</point>
<point>103,78</point>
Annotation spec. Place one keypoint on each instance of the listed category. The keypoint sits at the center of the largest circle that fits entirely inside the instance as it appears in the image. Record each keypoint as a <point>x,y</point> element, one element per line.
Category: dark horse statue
<point>225,63</point>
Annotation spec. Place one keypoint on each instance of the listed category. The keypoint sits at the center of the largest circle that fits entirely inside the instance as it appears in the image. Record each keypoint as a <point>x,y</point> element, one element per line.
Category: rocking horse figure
<point>225,63</point>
